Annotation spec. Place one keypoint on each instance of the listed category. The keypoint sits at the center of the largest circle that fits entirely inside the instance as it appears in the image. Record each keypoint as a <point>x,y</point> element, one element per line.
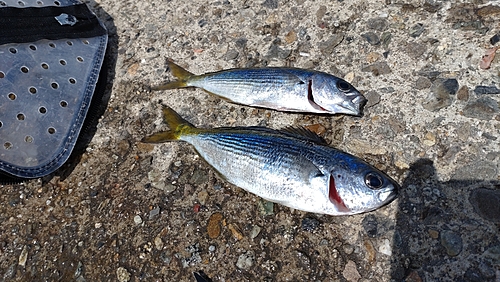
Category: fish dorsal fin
<point>303,133</point>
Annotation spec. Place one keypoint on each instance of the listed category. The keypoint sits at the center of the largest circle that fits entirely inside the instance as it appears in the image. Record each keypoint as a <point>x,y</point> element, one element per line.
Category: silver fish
<point>293,167</point>
<point>283,89</point>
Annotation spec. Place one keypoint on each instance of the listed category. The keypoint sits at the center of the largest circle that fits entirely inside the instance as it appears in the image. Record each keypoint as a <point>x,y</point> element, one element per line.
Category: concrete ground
<point>121,210</point>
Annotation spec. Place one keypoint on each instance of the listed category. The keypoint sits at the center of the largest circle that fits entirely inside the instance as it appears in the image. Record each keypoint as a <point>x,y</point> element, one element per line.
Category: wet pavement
<point>122,210</point>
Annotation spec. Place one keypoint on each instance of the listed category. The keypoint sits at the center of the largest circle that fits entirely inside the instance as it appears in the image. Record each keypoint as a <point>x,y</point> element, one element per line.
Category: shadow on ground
<point>446,228</point>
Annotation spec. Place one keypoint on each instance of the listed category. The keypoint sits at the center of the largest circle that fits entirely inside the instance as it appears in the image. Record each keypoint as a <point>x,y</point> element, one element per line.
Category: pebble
<point>373,98</point>
<point>212,248</point>
<point>271,4</point>
<point>417,30</point>
<point>373,57</point>
<point>265,207</point>
<point>255,231</point>
<point>23,257</point>
<point>327,47</point>
<point>370,251</point>
<point>310,224</point>
<point>433,233</point>
<point>452,242</point>
<point>413,277</point>
<point>485,203</point>
<point>276,52</point>
<point>122,274</point>
<point>316,128</point>
<point>385,248</point>
<point>291,37</point>
<point>246,261</point>
<point>481,89</point>
<point>370,225</point>
<point>423,83</point>
<point>385,38</point>
<point>463,93</point>
<point>231,55</point>
<point>203,196</point>
<point>154,212</point>
<point>348,249</point>
<point>495,39</point>
<point>214,225</point>
<point>378,68</point>
<point>158,243</point>
<point>414,50</point>
<point>439,97</point>
<point>482,169</point>
<point>371,37</point>
<point>199,177</point>
<point>483,108</point>
<point>137,219</point>
<point>235,230</point>
<point>350,272</point>
<point>379,24</point>
<point>241,42</point>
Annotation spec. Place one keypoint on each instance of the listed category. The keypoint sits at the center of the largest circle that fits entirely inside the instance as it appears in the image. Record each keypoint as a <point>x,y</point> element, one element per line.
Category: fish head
<point>334,95</point>
<point>356,187</point>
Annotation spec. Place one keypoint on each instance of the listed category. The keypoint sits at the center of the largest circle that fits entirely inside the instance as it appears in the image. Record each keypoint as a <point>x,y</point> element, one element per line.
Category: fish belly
<point>261,88</point>
<point>260,166</point>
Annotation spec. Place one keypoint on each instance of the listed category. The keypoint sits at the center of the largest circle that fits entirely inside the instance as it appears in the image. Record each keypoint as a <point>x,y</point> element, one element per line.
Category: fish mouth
<point>388,195</point>
<point>353,107</point>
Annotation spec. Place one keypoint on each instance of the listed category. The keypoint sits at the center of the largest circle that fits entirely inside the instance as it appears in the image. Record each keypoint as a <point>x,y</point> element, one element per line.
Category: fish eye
<point>343,86</point>
<point>374,180</point>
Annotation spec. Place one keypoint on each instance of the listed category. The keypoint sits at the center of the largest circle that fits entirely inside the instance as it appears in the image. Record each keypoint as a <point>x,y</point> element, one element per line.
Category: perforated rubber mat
<point>45,90</point>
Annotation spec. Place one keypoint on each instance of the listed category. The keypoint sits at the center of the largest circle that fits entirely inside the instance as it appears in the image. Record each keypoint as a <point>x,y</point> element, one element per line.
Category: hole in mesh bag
<point>20,117</point>
<point>28,139</point>
<point>57,3</point>
<point>42,110</point>
<point>62,62</point>
<point>63,104</point>
<point>52,45</point>
<point>54,85</point>
<point>2,75</point>
<point>12,50</point>
<point>69,43</point>
<point>80,59</point>
<point>21,3</point>
<point>32,90</point>
<point>12,96</point>
<point>45,66</point>
<point>72,80</point>
<point>32,47</point>
<point>7,145</point>
<point>24,69</point>
<point>51,130</point>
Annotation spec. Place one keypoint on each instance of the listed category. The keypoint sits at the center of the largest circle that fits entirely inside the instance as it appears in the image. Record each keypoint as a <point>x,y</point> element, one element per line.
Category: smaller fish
<point>293,167</point>
<point>282,89</point>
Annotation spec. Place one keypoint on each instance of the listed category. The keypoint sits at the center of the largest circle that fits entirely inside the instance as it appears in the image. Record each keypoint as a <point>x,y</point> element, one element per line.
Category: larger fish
<point>283,89</point>
<point>292,167</point>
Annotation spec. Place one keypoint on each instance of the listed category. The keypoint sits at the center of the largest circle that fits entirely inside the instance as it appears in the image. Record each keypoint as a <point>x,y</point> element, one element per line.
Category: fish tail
<point>181,74</point>
<point>178,127</point>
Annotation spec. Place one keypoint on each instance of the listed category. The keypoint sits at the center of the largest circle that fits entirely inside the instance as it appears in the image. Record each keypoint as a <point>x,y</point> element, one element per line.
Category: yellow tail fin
<point>181,74</point>
<point>178,127</point>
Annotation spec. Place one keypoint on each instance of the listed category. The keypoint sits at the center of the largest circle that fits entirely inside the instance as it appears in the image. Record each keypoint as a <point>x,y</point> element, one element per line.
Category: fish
<point>282,89</point>
<point>293,167</point>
